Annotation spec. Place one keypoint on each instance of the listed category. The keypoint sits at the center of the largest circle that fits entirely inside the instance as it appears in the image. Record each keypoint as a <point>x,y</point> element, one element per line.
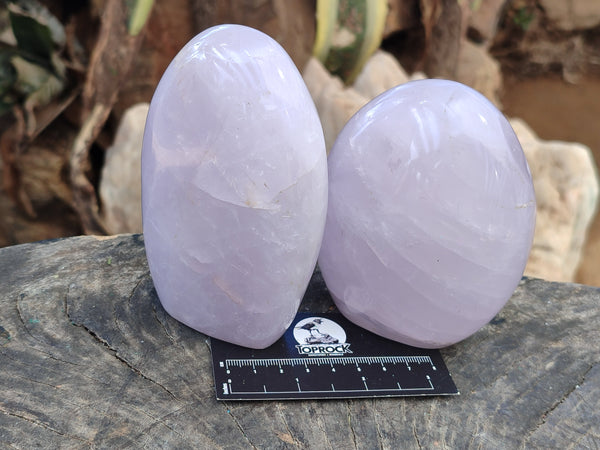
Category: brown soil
<point>557,110</point>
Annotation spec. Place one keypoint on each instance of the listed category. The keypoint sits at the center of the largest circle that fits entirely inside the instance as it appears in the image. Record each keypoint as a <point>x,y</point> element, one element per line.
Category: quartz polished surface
<point>234,186</point>
<point>431,214</point>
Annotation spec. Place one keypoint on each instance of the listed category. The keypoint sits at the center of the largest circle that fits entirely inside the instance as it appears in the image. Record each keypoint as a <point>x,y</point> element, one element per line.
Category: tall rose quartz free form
<point>234,186</point>
<point>431,214</point>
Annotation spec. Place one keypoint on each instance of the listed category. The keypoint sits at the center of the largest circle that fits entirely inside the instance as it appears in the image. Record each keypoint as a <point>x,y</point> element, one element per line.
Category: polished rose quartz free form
<point>234,186</point>
<point>431,214</point>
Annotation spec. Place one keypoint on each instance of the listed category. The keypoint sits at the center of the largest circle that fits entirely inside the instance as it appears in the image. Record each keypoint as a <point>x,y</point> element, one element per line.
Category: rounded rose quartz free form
<point>431,214</point>
<point>234,186</point>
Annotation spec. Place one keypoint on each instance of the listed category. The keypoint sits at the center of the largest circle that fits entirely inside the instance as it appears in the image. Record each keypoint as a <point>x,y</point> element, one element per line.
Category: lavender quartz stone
<point>234,186</point>
<point>431,214</point>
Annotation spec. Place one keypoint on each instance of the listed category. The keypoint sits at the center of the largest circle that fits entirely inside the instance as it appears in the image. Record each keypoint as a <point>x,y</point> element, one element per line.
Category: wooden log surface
<point>88,358</point>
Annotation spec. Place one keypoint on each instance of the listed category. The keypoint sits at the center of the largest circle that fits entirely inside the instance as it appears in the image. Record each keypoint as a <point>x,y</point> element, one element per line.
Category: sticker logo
<point>317,336</point>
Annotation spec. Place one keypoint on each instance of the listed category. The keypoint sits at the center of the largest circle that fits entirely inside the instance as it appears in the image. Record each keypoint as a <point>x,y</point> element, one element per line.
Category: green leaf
<point>36,30</point>
<point>139,12</point>
<point>31,36</point>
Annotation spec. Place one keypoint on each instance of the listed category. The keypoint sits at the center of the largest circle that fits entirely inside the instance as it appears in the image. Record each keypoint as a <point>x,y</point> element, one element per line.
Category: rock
<point>572,14</point>
<point>381,72</point>
<point>548,259</point>
<point>477,69</point>
<point>431,214</point>
<point>234,186</point>
<point>569,53</point>
<point>120,185</point>
<point>335,103</point>
<point>566,186</point>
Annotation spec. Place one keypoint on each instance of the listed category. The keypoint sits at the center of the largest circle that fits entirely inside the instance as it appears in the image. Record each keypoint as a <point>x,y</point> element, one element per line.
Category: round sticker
<point>318,330</point>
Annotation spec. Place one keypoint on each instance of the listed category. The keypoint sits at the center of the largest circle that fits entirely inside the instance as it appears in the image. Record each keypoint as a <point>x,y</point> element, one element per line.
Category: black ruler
<point>326,356</point>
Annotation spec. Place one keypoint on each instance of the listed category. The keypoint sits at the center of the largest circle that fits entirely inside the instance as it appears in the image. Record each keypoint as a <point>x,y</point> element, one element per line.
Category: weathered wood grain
<point>88,358</point>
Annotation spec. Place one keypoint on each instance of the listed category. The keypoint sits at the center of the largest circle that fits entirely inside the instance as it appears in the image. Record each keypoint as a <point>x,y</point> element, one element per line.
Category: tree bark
<point>89,358</point>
